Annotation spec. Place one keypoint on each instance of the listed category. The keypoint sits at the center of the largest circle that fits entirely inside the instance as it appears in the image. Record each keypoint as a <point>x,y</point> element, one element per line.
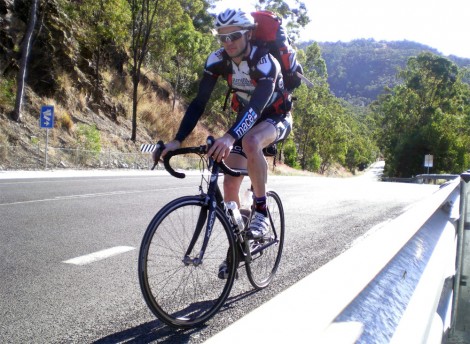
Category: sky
<point>443,25</point>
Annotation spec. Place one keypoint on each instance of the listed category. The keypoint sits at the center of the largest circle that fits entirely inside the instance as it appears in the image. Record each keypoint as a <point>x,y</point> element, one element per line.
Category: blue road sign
<point>46,120</point>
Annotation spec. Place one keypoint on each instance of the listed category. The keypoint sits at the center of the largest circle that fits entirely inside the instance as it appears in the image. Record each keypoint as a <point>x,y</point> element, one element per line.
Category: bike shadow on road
<point>158,332</point>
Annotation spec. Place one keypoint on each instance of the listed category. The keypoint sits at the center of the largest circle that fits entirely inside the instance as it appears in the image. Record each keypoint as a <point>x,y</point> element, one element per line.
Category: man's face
<point>233,40</point>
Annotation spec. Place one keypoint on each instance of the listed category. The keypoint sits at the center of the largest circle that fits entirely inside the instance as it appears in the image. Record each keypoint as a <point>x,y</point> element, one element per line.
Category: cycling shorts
<point>282,123</point>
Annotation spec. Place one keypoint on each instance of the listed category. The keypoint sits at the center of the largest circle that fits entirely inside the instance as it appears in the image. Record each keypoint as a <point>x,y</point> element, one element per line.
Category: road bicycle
<point>190,237</point>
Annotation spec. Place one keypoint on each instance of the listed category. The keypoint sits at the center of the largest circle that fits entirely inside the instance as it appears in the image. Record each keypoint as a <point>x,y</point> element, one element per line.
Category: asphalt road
<point>46,222</point>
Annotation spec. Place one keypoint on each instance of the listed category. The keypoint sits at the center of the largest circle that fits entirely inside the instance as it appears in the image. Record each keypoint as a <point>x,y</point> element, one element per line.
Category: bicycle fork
<point>208,212</point>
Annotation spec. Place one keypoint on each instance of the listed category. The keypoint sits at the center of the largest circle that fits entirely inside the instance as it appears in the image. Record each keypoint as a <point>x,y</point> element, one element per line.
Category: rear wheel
<point>267,252</point>
<point>178,290</point>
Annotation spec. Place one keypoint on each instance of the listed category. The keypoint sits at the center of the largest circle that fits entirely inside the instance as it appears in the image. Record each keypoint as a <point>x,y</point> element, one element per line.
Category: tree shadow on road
<point>157,332</point>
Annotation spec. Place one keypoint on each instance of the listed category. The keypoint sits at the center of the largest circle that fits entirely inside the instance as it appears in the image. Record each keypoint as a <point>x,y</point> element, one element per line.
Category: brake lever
<point>160,146</point>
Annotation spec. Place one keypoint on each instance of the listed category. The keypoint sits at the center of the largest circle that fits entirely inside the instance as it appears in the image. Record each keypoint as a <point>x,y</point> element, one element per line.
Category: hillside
<point>359,71</point>
<point>92,112</point>
<point>88,78</point>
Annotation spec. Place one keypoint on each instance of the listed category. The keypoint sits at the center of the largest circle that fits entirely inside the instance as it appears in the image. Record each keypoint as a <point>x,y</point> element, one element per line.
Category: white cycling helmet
<point>231,17</point>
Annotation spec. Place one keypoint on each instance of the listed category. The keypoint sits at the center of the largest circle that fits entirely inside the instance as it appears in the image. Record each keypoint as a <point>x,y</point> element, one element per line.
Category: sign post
<point>428,161</point>
<point>46,120</point>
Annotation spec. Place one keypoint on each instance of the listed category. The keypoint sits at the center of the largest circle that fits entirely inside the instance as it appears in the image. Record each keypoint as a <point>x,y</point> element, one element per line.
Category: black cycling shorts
<point>282,123</point>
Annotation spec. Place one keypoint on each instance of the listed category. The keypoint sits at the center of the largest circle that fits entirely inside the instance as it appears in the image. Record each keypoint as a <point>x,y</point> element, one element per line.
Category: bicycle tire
<point>263,267</point>
<point>179,294</point>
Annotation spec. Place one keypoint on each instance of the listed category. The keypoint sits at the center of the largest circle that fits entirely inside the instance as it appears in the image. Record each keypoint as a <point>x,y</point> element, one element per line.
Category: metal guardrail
<point>405,283</point>
<point>422,178</point>
<point>460,327</point>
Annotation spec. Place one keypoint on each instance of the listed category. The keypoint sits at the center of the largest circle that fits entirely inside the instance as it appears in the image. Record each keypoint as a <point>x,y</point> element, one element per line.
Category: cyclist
<point>259,98</point>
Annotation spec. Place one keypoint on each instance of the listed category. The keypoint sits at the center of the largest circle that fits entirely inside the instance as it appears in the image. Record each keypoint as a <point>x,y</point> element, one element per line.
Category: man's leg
<point>231,190</point>
<point>232,184</point>
<point>256,139</point>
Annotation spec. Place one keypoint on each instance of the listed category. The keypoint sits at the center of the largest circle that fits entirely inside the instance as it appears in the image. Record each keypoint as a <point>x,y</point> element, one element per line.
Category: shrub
<point>89,138</point>
<point>7,93</point>
<point>314,163</point>
<point>64,120</point>
<point>290,153</point>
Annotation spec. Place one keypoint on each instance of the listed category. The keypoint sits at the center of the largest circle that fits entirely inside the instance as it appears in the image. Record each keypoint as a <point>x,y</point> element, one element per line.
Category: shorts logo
<point>247,122</point>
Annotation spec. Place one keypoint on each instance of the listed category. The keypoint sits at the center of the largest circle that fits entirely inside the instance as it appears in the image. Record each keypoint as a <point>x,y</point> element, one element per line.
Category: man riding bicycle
<point>260,101</point>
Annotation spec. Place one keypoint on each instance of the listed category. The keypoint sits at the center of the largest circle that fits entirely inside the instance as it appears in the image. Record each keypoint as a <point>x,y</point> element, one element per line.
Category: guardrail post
<point>461,303</point>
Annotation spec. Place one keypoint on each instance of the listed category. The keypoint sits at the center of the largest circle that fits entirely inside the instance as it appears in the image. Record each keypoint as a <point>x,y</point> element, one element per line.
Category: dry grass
<point>156,118</point>
<point>64,121</point>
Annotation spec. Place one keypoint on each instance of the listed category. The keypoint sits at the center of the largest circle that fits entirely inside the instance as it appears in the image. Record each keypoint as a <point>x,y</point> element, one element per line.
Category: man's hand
<point>221,147</point>
<point>170,146</point>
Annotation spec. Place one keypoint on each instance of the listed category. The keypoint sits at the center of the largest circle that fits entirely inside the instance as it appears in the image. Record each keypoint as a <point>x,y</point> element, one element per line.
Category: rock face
<point>9,27</point>
<point>55,53</point>
<point>54,48</point>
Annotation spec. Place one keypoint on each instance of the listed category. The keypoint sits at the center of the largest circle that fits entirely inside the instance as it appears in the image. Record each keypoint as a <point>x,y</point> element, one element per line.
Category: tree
<point>181,52</point>
<point>103,20</point>
<point>143,14</point>
<point>25,51</point>
<point>427,114</point>
<point>189,55</point>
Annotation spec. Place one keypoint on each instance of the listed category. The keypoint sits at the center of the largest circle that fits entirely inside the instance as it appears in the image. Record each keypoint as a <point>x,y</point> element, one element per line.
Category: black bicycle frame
<point>208,212</point>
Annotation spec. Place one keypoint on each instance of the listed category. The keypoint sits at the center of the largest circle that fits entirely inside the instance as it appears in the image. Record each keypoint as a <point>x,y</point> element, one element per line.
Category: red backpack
<point>270,33</point>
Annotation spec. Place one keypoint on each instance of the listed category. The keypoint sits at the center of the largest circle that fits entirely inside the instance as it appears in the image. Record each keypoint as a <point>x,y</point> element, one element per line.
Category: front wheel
<point>178,289</point>
<point>267,251</point>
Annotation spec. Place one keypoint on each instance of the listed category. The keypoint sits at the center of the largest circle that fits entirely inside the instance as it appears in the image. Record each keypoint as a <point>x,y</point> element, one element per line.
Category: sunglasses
<point>232,36</point>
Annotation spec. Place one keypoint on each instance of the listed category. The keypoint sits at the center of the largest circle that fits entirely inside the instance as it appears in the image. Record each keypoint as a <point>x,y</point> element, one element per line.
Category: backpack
<point>270,34</point>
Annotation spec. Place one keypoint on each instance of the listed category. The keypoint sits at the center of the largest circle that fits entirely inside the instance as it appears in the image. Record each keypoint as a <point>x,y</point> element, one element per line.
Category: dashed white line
<point>100,255</point>
<point>114,193</point>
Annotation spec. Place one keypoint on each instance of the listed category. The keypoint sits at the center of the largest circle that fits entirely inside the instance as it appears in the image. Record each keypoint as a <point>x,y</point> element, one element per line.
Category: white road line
<point>100,255</point>
<point>59,198</point>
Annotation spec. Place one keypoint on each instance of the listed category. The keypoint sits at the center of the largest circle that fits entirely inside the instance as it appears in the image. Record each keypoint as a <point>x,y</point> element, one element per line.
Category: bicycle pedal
<point>223,275</point>
<point>223,272</point>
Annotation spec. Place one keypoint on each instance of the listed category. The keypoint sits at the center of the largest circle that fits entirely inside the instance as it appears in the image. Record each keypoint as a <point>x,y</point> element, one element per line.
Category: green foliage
<point>290,153</point>
<point>314,163</point>
<point>329,131</point>
<point>183,55</point>
<point>102,21</point>
<point>360,70</point>
<point>7,93</point>
<point>427,114</point>
<point>89,138</point>
<point>198,11</point>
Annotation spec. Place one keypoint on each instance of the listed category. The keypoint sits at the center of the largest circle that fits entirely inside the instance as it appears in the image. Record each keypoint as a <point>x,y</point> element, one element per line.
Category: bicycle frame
<point>213,199</point>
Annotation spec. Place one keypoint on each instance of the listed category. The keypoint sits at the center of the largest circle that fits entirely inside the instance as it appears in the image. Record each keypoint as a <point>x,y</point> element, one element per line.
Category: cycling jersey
<point>257,82</point>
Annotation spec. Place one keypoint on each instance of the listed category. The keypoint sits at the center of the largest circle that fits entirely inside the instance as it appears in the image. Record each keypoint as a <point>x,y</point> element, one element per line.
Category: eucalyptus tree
<point>102,28</point>
<point>144,16</point>
<point>427,114</point>
<point>25,52</point>
<point>187,53</point>
<point>183,44</point>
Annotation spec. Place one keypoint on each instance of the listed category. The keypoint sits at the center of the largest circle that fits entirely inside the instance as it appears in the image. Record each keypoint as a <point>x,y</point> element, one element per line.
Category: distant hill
<point>358,71</point>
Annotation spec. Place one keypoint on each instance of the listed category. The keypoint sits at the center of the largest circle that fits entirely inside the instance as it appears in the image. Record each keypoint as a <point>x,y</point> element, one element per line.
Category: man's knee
<point>251,143</point>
